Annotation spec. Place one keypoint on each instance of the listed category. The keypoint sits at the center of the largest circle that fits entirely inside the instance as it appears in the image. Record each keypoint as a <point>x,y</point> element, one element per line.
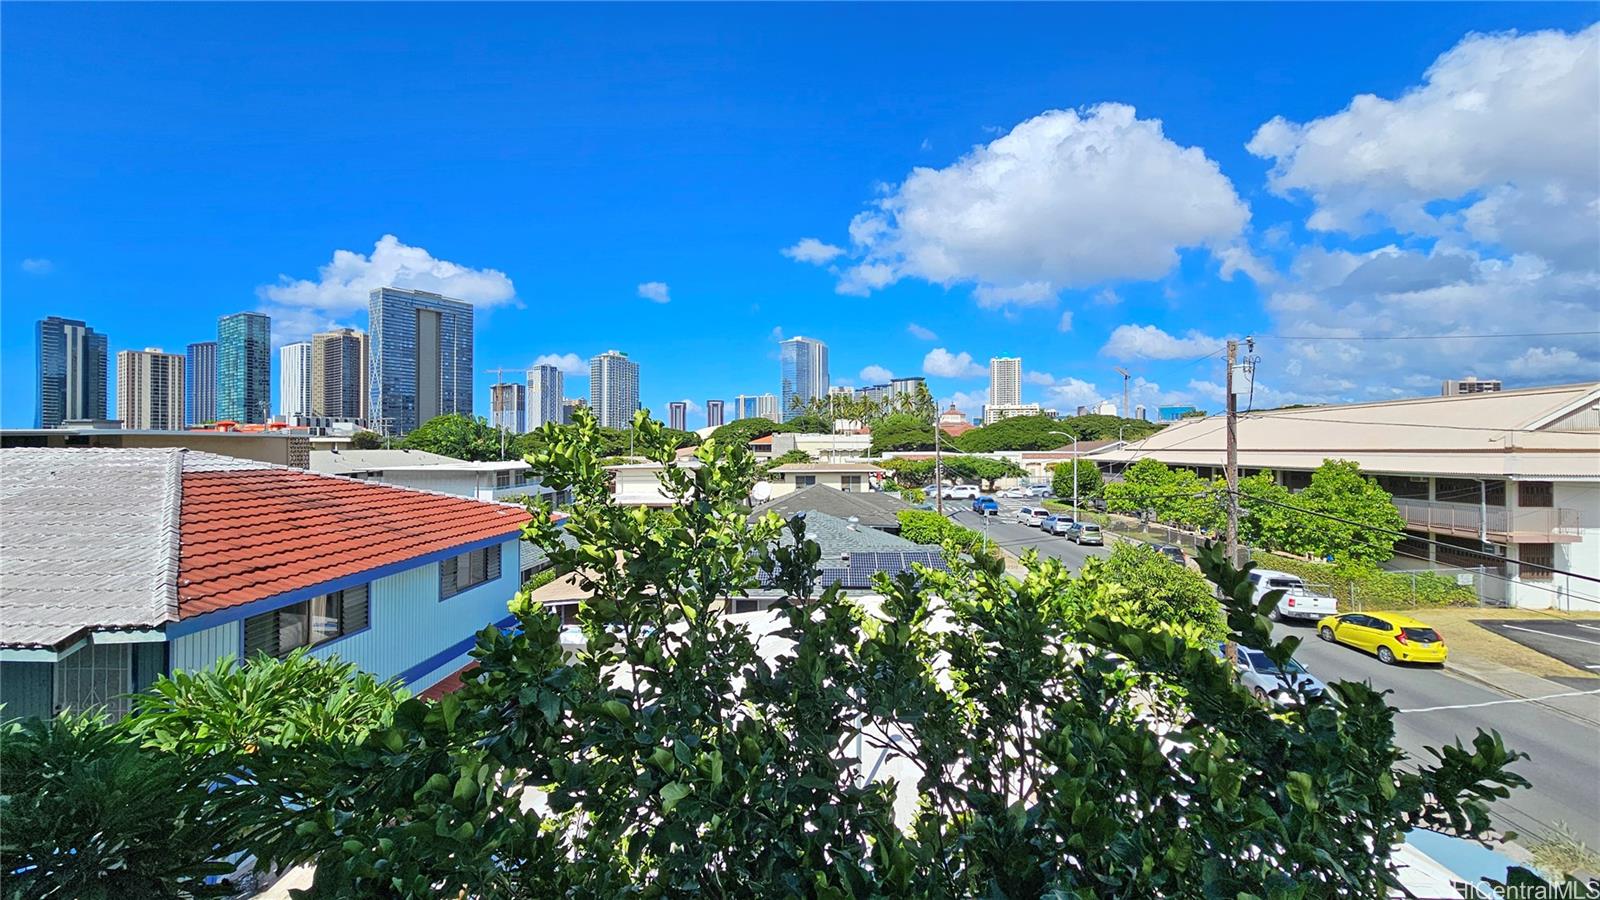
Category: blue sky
<point>1086,187</point>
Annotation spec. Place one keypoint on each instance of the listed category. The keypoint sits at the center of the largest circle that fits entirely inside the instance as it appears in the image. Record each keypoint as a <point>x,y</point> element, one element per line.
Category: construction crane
<point>1127,411</point>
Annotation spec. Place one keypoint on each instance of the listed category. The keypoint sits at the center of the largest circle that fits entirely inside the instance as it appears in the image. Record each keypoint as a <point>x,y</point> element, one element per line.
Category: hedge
<point>925,526</point>
<point>1374,588</point>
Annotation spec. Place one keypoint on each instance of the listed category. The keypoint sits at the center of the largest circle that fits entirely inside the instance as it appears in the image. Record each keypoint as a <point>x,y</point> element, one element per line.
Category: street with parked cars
<point>1436,704</point>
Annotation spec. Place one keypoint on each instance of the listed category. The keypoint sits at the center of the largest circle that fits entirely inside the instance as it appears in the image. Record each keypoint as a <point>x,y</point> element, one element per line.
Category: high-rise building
<point>804,365</point>
<point>678,415</point>
<point>339,369</point>
<point>756,406</point>
<point>150,389</point>
<point>714,414</point>
<point>545,386</point>
<point>1005,380</point>
<point>568,406</point>
<point>244,367</point>
<point>994,412</point>
<point>508,407</point>
<point>200,383</point>
<point>614,389</point>
<point>421,358</point>
<point>72,372</point>
<point>1469,385</point>
<point>906,386</point>
<point>1140,413</point>
<point>294,379</point>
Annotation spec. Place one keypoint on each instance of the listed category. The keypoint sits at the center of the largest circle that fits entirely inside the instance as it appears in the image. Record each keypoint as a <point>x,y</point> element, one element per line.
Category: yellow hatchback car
<point>1393,637</point>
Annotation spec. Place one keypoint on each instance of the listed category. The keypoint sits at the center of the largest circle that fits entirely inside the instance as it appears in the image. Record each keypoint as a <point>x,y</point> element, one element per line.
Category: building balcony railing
<point>1553,525</point>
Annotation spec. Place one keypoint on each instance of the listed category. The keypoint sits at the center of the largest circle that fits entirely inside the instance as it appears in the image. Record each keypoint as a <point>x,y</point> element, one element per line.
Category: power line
<point>1426,337</point>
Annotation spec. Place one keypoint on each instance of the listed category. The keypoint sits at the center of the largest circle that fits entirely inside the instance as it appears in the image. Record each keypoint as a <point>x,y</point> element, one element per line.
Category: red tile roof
<point>251,534</point>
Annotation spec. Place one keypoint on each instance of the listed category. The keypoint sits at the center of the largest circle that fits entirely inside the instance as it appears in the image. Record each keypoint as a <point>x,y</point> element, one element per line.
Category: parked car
<point>1032,515</point>
<point>1268,681</point>
<point>985,506</point>
<point>1015,493</point>
<point>1392,637</point>
<point>1086,533</point>
<point>1172,552</point>
<point>1058,523</point>
<point>1041,490</point>
<point>1298,601</point>
<point>961,492</point>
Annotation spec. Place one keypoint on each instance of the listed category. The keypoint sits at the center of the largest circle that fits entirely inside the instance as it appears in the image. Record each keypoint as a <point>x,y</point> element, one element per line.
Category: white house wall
<point>413,634</point>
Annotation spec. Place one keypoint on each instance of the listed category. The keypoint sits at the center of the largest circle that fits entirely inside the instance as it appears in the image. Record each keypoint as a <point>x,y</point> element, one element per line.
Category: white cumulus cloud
<point>343,285</point>
<point>38,266</point>
<point>1150,342</point>
<point>920,333</point>
<point>655,291</point>
<point>969,402</point>
<point>1066,199</point>
<point>943,363</point>
<point>875,374</point>
<point>810,250</point>
<point>1066,321</point>
<point>568,363</point>
<point>1502,132</point>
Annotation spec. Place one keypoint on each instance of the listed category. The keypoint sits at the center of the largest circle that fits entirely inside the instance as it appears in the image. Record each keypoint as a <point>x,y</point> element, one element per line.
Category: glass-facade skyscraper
<point>72,372</point>
<point>804,362</point>
<point>244,367</point>
<point>614,389</point>
<point>756,406</point>
<point>200,383</point>
<point>420,346</point>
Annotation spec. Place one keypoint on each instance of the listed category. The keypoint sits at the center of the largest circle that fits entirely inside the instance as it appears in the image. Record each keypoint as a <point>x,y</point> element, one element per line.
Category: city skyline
<point>1276,243</point>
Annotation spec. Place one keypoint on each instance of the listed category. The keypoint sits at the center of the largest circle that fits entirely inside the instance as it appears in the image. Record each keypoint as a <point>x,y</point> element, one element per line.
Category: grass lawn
<point>1480,646</point>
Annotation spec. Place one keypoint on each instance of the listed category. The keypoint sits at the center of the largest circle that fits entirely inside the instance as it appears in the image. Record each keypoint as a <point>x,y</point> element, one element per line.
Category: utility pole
<point>1232,464</point>
<point>938,469</point>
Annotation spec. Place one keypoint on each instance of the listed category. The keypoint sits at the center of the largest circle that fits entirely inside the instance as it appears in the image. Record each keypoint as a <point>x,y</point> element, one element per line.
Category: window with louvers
<point>279,632</point>
<point>467,570</point>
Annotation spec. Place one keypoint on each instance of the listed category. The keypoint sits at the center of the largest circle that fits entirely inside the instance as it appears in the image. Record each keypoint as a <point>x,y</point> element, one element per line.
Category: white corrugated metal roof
<point>1477,435</point>
<point>88,539</point>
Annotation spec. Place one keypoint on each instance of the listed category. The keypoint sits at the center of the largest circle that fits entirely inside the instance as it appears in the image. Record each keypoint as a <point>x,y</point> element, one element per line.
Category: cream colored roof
<point>1508,434</point>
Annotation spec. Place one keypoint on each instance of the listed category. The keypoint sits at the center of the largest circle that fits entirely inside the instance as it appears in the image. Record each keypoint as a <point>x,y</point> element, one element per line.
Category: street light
<point>1074,470</point>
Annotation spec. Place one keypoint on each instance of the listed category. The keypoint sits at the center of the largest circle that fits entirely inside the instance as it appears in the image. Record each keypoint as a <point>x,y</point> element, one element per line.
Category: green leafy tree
<point>984,470</point>
<point>1089,482</point>
<point>908,472</point>
<point>743,431</point>
<point>901,432</point>
<point>1358,521</point>
<point>457,436</point>
<point>366,440</point>
<point>1141,489</point>
<point>1267,518</point>
<point>1044,433</point>
<point>792,456</point>
<point>1059,746</point>
<point>1139,586</point>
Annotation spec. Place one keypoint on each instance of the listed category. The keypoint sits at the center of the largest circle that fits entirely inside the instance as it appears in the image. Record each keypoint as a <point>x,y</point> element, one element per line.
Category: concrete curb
<point>1523,686</point>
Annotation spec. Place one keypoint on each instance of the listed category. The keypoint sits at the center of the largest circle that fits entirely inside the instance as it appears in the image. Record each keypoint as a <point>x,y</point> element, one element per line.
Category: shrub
<point>1374,588</point>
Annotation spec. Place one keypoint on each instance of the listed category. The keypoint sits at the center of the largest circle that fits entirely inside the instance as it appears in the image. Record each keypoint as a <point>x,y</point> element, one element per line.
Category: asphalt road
<point>1436,707</point>
<point>1009,534</point>
<point>1575,643</point>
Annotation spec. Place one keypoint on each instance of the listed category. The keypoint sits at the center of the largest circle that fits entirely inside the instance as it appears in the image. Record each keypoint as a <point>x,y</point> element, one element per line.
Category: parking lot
<point>1575,643</point>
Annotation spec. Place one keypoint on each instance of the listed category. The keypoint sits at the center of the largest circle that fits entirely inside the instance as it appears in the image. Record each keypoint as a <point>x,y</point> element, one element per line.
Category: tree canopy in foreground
<point>1055,739</point>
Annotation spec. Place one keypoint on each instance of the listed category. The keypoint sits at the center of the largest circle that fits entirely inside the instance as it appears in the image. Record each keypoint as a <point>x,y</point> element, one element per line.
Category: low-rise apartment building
<point>502,480</point>
<point>120,565</point>
<point>1508,481</point>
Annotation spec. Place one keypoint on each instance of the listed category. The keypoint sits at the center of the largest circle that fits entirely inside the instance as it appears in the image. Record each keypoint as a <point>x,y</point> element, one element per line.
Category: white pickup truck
<point>1298,601</point>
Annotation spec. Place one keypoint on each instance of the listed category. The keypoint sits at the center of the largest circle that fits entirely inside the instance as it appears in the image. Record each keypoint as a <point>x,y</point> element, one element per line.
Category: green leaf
<point>672,794</point>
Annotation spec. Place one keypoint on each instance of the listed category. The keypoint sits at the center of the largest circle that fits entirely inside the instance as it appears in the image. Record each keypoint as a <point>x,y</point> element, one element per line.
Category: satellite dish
<point>762,492</point>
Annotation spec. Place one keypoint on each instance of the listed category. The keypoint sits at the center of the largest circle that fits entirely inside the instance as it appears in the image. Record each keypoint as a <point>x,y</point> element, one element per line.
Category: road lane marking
<point>1500,702</point>
<point>1565,637</point>
<point>1590,627</point>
